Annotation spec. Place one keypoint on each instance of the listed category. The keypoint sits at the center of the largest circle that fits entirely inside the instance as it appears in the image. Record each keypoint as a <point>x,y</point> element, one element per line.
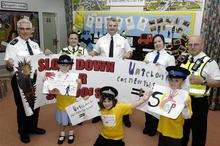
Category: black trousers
<point>151,124</point>
<point>197,123</point>
<point>26,124</point>
<point>168,141</point>
<point>101,141</point>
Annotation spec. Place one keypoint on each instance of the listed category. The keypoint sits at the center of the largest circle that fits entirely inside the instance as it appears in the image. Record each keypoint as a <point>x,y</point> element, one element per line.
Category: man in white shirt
<point>113,45</point>
<point>16,50</point>
<point>120,45</point>
<point>205,73</point>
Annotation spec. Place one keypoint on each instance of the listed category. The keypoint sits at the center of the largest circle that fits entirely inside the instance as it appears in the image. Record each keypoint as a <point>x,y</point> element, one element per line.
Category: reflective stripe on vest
<point>197,90</point>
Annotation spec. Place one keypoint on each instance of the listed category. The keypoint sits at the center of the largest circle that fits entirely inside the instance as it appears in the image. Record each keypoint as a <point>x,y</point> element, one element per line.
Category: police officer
<point>205,73</point>
<point>16,50</point>
<point>74,49</point>
<point>113,45</point>
<point>160,57</point>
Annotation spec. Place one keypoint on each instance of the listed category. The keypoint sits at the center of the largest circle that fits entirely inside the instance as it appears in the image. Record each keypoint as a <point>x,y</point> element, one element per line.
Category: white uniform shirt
<point>211,69</point>
<point>121,46</point>
<point>17,49</point>
<point>165,59</point>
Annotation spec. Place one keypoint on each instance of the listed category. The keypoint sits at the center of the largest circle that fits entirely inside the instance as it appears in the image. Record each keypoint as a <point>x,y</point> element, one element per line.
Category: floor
<point>85,135</point>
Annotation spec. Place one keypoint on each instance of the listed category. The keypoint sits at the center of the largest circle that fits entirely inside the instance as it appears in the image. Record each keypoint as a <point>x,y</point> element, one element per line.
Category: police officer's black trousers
<point>26,124</point>
<point>198,123</point>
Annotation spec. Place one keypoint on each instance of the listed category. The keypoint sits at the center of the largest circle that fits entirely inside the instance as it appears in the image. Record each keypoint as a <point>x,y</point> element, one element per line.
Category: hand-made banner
<point>129,77</point>
<point>166,102</point>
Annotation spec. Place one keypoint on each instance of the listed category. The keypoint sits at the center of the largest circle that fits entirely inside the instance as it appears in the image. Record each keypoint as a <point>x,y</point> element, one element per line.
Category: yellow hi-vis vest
<point>197,90</point>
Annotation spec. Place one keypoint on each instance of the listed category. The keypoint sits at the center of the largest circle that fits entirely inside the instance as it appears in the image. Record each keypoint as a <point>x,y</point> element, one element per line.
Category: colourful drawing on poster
<point>90,5</point>
<point>174,5</point>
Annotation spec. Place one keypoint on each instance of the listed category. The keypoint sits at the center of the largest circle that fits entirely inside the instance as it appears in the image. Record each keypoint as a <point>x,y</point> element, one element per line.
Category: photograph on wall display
<point>8,26</point>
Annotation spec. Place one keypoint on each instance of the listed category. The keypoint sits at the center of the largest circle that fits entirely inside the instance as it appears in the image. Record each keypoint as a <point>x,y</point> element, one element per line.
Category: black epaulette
<point>13,42</point>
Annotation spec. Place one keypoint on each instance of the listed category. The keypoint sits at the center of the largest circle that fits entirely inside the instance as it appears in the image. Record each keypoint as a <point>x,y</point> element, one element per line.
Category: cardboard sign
<point>83,110</point>
<point>167,102</point>
<point>65,83</point>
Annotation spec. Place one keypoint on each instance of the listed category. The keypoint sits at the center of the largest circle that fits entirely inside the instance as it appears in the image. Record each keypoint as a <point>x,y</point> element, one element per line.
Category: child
<point>65,64</point>
<point>111,113</point>
<point>171,130</point>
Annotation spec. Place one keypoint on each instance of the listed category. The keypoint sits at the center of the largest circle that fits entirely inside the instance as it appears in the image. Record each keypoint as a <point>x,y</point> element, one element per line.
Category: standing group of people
<point>201,71</point>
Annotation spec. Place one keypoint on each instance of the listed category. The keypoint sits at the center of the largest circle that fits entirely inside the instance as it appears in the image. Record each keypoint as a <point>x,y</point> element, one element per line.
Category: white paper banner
<point>129,77</point>
<point>83,110</point>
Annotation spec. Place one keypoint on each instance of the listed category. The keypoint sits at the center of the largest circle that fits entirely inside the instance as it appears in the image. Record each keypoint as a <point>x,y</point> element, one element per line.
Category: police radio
<point>197,64</point>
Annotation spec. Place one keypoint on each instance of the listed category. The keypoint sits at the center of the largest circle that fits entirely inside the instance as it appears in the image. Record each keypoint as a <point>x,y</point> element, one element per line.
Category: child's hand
<point>86,97</point>
<point>54,91</point>
<point>147,95</point>
<point>79,83</point>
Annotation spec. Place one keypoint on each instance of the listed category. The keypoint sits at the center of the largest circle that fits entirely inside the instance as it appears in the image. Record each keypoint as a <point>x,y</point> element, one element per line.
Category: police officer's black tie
<point>29,48</point>
<point>156,57</point>
<point>111,48</point>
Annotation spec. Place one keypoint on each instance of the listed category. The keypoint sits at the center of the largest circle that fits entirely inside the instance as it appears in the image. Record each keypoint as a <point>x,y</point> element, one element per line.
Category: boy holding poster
<point>171,130</point>
<point>62,101</point>
<point>112,114</point>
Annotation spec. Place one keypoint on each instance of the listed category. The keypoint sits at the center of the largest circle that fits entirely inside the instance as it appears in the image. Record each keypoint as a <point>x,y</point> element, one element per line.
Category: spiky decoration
<point>25,82</point>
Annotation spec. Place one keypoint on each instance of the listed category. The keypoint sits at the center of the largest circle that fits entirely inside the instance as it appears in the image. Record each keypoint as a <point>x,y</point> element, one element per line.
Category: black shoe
<point>151,134</point>
<point>70,139</point>
<point>39,131</point>
<point>145,131</point>
<point>96,119</point>
<point>61,139</point>
<point>25,138</point>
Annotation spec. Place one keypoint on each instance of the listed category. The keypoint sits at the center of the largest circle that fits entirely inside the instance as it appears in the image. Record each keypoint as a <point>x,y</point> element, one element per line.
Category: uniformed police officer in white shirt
<point>205,73</point>
<point>113,45</point>
<point>160,57</point>
<point>120,45</point>
<point>74,48</point>
<point>16,50</point>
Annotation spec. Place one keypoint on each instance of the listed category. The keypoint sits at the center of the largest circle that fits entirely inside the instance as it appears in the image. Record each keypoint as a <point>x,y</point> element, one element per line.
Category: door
<point>50,31</point>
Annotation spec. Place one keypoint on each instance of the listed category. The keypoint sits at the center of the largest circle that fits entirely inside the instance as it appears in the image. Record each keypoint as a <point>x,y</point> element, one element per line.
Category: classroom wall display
<point>90,5</point>
<point>8,22</point>
<point>170,24</point>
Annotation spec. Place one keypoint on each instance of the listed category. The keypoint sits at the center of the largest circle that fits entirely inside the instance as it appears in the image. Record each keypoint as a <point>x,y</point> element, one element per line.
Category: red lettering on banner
<point>96,65</point>
<point>46,64</point>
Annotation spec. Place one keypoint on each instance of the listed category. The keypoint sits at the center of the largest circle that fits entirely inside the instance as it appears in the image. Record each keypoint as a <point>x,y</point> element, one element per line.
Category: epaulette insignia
<point>14,41</point>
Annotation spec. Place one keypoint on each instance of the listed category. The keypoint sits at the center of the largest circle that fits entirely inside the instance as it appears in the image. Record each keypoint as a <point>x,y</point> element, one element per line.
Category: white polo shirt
<point>121,46</point>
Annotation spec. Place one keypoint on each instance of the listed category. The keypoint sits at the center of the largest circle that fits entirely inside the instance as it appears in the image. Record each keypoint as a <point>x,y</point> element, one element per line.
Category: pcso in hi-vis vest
<point>205,74</point>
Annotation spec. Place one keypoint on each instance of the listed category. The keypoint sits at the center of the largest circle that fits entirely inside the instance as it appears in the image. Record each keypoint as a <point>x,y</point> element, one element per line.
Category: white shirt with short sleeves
<point>121,46</point>
<point>165,59</point>
<point>211,69</point>
<point>17,49</point>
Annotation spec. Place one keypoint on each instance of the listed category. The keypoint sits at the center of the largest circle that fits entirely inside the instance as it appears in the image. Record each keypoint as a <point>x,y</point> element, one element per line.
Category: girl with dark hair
<point>112,113</point>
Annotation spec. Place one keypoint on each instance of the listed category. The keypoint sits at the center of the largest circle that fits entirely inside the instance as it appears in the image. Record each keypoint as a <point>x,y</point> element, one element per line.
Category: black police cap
<point>65,59</point>
<point>177,72</point>
<point>108,91</point>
